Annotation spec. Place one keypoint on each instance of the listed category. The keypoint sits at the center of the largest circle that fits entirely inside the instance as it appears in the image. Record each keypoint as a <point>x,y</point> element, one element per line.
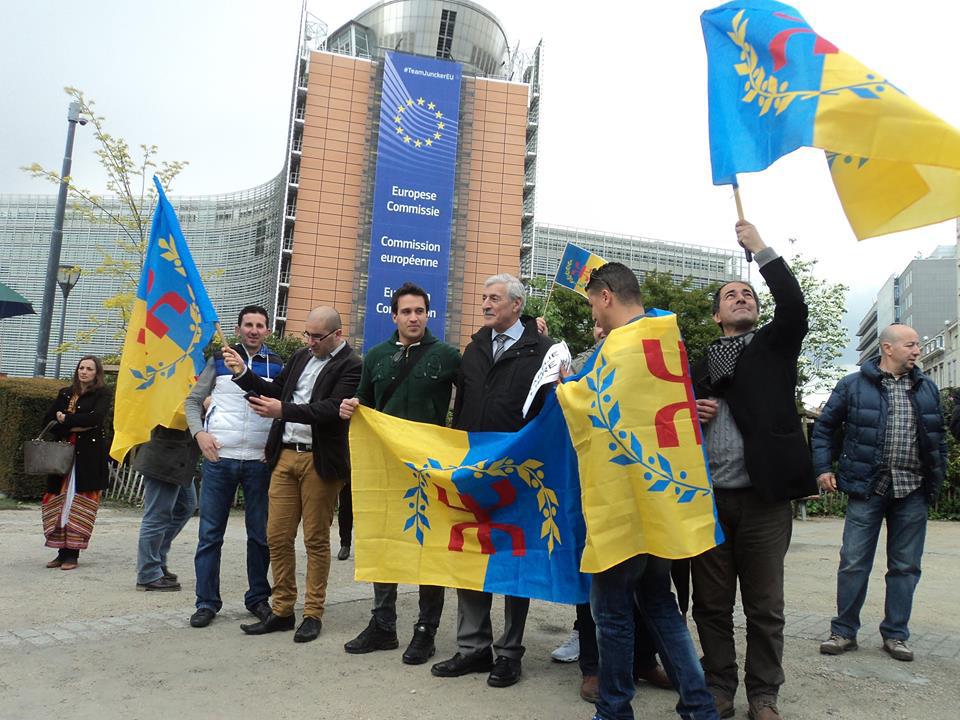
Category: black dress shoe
<point>167,574</point>
<point>506,672</point>
<point>309,630</point>
<point>202,617</point>
<point>460,664</point>
<point>371,639</point>
<point>160,584</point>
<point>261,610</point>
<point>273,623</point>
<point>344,552</point>
<point>421,647</point>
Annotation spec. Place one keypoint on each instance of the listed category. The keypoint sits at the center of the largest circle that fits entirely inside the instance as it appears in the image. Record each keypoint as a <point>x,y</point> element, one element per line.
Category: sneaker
<point>372,638</point>
<point>569,650</point>
<point>838,645</point>
<point>421,647</point>
<point>898,650</point>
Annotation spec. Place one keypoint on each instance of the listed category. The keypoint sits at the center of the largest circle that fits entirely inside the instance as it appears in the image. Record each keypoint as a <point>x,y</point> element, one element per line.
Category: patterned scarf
<point>723,355</point>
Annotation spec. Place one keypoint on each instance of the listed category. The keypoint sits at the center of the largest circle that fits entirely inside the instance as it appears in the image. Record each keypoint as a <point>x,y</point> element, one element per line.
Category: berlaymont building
<point>411,156</point>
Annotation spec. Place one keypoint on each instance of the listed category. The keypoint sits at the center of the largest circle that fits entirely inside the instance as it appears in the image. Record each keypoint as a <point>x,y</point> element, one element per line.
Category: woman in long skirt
<point>71,502</point>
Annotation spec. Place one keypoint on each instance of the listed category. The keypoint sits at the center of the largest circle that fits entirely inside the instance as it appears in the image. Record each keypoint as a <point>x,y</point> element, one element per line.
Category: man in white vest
<point>232,438</point>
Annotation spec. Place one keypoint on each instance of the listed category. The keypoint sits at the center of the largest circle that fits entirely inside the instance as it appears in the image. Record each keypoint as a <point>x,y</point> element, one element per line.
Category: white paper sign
<point>557,358</point>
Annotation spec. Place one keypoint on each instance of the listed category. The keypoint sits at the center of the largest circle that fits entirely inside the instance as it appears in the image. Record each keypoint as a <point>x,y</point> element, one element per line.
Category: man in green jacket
<point>410,376</point>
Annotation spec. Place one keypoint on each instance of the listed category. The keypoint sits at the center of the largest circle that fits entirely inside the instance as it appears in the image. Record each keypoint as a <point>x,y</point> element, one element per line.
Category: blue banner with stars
<point>414,187</point>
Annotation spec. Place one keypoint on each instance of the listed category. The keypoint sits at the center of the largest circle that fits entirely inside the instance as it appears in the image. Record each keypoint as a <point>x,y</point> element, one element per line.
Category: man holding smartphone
<point>308,452</point>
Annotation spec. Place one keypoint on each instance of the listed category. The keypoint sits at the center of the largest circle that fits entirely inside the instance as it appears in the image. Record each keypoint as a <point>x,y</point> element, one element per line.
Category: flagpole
<point>736,199</point>
<point>549,295</point>
<point>220,337</point>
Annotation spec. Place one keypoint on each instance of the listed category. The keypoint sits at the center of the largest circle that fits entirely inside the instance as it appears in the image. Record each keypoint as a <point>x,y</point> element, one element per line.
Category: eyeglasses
<point>317,337</point>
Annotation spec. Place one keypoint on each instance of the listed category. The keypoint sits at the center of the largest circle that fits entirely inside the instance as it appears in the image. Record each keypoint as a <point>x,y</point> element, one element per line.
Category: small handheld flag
<point>575,268</point>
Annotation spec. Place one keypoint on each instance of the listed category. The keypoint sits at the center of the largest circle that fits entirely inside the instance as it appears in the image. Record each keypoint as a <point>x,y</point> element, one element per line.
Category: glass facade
<point>705,265</point>
<point>452,29</point>
<point>234,240</point>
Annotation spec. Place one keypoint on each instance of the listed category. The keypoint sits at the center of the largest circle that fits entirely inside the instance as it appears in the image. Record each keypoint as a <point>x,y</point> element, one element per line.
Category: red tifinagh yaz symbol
<point>778,46</point>
<point>154,324</point>
<point>665,419</point>
<point>506,494</point>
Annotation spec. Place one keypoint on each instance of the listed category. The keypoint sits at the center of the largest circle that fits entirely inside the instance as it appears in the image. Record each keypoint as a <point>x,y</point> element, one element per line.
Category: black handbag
<point>47,457</point>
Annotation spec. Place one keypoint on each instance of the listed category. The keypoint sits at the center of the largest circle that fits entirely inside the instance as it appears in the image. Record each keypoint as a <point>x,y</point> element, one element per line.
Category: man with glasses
<point>308,451</point>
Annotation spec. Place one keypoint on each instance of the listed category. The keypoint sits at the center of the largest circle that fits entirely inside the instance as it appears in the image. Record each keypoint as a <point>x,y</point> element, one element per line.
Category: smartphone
<point>251,394</point>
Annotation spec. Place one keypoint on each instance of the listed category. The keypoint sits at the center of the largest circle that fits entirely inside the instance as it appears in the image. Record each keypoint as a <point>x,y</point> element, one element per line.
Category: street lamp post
<point>67,278</point>
<point>56,242</point>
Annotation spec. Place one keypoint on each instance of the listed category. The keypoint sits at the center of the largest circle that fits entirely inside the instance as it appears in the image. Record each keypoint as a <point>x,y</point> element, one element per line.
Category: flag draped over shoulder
<point>633,420</point>
<point>776,85</point>
<point>172,322</point>
<point>618,470</point>
<point>576,264</point>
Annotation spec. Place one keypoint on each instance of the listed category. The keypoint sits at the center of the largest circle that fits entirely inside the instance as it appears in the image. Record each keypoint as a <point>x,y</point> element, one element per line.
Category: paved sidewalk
<point>86,644</point>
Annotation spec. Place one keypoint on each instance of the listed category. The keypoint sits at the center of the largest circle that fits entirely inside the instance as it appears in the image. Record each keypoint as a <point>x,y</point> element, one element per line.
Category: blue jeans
<point>644,579</point>
<point>166,509</point>
<point>906,530</point>
<point>217,491</point>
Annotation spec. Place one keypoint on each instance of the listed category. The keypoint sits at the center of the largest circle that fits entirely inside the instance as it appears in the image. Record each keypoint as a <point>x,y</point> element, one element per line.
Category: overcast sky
<point>623,140</point>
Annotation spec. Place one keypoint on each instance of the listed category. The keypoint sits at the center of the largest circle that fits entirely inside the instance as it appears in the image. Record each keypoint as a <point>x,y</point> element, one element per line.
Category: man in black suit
<point>759,461</point>
<point>309,455</point>
<point>495,376</point>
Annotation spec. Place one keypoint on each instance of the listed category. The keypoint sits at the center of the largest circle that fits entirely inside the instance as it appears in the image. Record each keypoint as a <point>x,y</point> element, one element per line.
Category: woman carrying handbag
<point>69,507</point>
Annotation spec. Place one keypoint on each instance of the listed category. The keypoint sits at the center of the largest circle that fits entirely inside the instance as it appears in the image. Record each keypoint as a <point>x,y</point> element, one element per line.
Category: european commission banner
<point>413,195</point>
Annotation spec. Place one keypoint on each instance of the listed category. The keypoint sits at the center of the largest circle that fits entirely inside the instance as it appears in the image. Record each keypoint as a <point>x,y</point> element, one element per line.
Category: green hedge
<point>23,403</point>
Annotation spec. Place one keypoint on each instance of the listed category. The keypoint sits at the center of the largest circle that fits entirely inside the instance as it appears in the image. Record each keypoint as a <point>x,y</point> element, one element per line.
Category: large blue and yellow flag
<point>498,512</point>
<point>525,513</point>
<point>576,264</point>
<point>776,85</point>
<point>172,322</point>
<point>632,416</point>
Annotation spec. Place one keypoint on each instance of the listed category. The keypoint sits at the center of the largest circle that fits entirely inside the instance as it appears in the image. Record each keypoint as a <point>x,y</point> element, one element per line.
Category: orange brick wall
<point>495,192</point>
<point>335,139</point>
<point>327,232</point>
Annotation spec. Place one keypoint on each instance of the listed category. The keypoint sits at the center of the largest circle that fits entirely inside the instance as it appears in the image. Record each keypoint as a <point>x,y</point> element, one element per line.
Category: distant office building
<point>704,265</point>
<point>412,156</point>
<point>923,296</point>
<point>231,238</point>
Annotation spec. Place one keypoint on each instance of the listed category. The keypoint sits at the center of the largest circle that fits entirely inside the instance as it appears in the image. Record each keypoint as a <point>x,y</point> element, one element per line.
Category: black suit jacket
<point>762,394</point>
<point>338,380</point>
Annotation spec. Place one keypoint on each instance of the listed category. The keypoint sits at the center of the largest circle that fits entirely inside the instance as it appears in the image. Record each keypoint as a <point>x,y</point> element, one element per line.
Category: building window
<point>445,39</point>
<point>260,244</point>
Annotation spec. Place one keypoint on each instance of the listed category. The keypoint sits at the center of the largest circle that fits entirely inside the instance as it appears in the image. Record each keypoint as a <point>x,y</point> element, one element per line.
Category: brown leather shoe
<point>55,563</point>
<point>657,677</point>
<point>68,565</point>
<point>590,689</point>
<point>724,704</point>
<point>764,712</point>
